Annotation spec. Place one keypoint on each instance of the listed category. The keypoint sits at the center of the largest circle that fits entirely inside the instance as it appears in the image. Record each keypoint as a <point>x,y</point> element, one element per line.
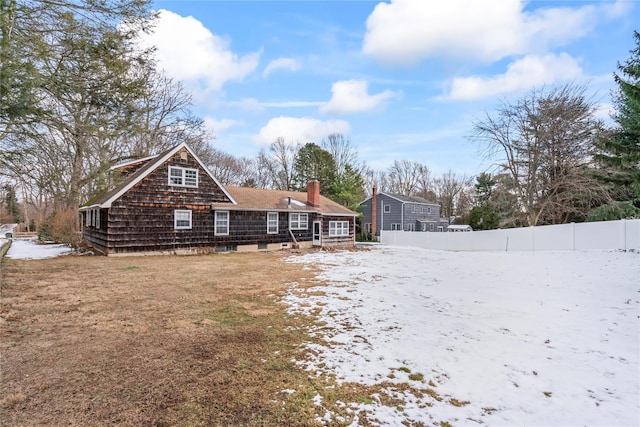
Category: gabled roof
<point>281,200</point>
<point>405,199</point>
<point>105,200</point>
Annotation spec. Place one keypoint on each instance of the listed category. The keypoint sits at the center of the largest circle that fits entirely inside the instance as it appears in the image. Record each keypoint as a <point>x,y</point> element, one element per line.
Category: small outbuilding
<point>455,228</point>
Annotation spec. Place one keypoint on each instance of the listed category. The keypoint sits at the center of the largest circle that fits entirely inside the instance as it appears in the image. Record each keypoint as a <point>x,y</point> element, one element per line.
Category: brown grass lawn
<point>158,340</point>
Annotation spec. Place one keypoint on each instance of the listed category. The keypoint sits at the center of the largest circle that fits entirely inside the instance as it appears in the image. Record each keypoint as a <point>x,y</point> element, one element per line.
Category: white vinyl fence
<point>622,234</point>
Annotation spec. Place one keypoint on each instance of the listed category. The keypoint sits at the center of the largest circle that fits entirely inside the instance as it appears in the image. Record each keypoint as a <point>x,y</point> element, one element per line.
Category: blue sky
<point>404,79</point>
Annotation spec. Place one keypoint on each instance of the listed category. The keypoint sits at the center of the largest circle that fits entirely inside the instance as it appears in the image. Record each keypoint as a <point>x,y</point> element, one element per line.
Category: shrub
<point>61,227</point>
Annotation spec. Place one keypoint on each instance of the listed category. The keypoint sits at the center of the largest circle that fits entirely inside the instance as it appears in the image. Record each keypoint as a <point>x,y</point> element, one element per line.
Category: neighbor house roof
<point>405,199</point>
<point>106,199</point>
<point>280,200</point>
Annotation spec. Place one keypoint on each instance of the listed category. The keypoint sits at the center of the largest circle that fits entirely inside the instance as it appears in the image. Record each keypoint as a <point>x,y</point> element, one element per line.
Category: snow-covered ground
<point>32,249</point>
<point>526,338</point>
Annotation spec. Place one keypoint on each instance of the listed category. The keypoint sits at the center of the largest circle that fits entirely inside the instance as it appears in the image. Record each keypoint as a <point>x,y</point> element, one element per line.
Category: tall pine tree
<point>619,150</point>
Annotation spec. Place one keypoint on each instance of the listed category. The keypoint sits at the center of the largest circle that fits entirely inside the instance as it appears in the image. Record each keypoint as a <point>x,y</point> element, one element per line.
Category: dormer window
<point>183,177</point>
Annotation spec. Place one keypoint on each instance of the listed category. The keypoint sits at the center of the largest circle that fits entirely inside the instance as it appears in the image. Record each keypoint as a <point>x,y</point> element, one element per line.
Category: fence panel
<point>623,234</point>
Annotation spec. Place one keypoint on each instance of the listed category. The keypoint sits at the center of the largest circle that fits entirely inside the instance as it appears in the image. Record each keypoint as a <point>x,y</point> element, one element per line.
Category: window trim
<point>183,177</point>
<point>297,225</point>
<point>177,213</point>
<point>215,224</point>
<point>270,223</point>
<point>396,226</point>
<point>338,231</point>
<point>387,208</point>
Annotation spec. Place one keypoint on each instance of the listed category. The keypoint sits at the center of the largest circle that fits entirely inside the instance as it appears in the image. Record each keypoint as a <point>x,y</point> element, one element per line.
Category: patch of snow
<point>31,249</point>
<point>526,338</point>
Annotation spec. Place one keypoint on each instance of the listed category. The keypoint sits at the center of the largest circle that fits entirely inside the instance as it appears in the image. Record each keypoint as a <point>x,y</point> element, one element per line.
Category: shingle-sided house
<point>386,211</point>
<point>172,203</point>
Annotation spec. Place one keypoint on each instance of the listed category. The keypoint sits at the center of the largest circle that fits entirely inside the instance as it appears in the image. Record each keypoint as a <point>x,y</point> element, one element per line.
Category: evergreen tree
<point>619,150</point>
<point>312,162</point>
<point>11,205</point>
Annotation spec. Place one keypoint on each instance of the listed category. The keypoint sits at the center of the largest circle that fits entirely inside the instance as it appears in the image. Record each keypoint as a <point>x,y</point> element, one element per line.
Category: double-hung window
<point>272,223</point>
<point>183,177</point>
<point>221,227</point>
<point>298,221</point>
<point>338,228</point>
<point>182,219</point>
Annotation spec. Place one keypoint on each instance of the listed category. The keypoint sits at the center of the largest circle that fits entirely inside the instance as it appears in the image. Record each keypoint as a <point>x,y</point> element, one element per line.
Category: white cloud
<point>350,96</point>
<point>247,104</point>
<point>188,51</point>
<point>289,64</point>
<point>520,76</point>
<point>604,110</point>
<point>218,126</point>
<point>404,32</point>
<point>300,130</point>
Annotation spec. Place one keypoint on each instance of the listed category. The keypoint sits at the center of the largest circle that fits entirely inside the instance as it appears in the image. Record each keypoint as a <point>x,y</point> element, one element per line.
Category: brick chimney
<point>374,211</point>
<point>313,193</point>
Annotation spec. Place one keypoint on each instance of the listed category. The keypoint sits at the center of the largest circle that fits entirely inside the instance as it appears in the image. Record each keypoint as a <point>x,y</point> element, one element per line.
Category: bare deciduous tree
<point>543,142</point>
<point>278,164</point>
<point>453,193</point>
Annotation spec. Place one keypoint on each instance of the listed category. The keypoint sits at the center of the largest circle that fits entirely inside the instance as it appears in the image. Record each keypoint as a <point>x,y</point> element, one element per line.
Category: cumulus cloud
<point>521,75</point>
<point>217,126</point>
<point>404,32</point>
<point>288,64</point>
<point>300,130</point>
<point>350,96</point>
<point>188,51</point>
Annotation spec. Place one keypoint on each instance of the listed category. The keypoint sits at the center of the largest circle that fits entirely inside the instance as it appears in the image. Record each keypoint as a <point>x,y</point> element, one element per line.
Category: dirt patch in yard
<point>159,340</point>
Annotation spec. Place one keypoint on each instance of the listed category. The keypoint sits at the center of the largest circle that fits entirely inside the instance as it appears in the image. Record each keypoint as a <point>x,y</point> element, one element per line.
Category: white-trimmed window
<point>298,221</point>
<point>221,227</point>
<point>396,227</point>
<point>92,218</point>
<point>428,209</point>
<point>182,219</point>
<point>387,208</point>
<point>272,223</point>
<point>431,226</point>
<point>183,177</point>
<point>338,228</point>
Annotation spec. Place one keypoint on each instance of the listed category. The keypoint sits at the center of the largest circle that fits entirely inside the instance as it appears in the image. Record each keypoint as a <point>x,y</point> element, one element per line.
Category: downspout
<point>295,242</point>
<point>402,216</point>
<point>381,217</point>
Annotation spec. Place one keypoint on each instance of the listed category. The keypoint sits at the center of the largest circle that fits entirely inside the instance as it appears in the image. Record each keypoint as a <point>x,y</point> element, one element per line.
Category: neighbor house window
<point>396,227</point>
<point>338,228</point>
<point>183,177</point>
<point>272,223</point>
<point>298,221</point>
<point>410,227</point>
<point>387,208</point>
<point>221,223</point>
<point>182,219</point>
<point>428,209</point>
<point>431,227</point>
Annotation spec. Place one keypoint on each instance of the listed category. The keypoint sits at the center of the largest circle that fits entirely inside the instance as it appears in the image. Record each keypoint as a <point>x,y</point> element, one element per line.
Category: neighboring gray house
<point>386,211</point>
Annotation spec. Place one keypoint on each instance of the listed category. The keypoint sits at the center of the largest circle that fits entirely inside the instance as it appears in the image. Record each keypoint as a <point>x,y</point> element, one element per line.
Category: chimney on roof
<point>374,212</point>
<point>313,193</point>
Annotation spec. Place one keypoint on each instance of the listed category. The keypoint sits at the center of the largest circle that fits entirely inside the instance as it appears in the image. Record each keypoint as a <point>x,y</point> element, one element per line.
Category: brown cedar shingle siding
<point>138,214</point>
